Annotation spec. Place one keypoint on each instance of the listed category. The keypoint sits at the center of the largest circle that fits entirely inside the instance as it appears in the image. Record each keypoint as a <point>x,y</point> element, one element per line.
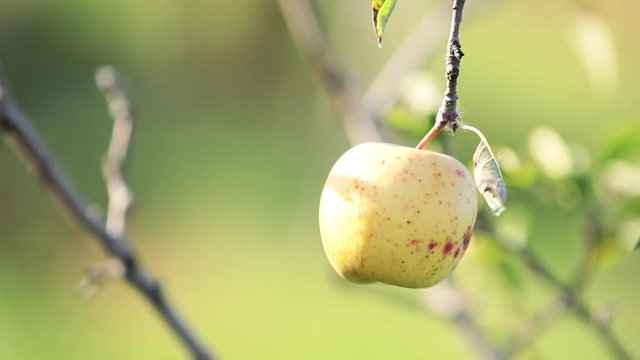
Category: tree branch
<point>447,301</point>
<point>448,113</point>
<point>114,165</point>
<point>537,324</point>
<point>307,33</point>
<point>18,127</point>
<point>572,298</point>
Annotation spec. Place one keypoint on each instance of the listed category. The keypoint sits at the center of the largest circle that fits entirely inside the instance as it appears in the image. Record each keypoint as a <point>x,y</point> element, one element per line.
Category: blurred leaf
<point>624,143</point>
<point>523,177</point>
<point>581,159</point>
<point>621,178</point>
<point>509,159</point>
<point>510,274</point>
<point>514,227</point>
<point>488,177</point>
<point>608,253</point>
<point>402,119</point>
<point>382,10</point>
<point>420,93</point>
<point>493,262</point>
<point>568,195</point>
<point>550,152</point>
<point>629,235</point>
<point>596,47</point>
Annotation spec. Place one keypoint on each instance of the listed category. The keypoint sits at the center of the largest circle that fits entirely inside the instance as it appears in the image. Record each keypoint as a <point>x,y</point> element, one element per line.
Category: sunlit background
<point>234,139</point>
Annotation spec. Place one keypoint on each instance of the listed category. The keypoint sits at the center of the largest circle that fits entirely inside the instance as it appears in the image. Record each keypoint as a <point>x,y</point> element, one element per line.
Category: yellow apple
<point>396,215</point>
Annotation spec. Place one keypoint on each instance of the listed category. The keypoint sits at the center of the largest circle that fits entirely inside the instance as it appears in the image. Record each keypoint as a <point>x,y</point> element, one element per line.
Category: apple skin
<point>396,215</point>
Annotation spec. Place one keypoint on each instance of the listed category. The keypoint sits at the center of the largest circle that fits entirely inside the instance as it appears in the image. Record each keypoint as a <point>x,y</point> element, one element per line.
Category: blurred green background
<point>235,137</point>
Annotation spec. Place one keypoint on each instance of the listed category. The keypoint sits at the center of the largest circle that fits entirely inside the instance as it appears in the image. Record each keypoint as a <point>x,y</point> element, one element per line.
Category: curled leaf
<point>382,10</point>
<point>487,174</point>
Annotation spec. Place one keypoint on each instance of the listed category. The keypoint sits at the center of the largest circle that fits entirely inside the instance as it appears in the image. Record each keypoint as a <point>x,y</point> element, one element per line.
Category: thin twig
<point>477,338</point>
<point>448,302</point>
<point>115,162</point>
<point>16,125</point>
<point>604,331</point>
<point>593,236</point>
<point>307,33</point>
<point>574,302</point>
<point>537,324</point>
<point>448,113</point>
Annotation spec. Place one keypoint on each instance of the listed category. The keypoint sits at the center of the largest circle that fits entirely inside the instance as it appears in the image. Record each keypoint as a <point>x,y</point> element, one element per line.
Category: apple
<point>396,215</point>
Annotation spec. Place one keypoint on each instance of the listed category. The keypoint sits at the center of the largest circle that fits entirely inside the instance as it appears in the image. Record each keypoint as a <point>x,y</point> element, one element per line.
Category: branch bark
<point>18,126</point>
<point>572,299</point>
<point>448,113</point>
<point>114,165</point>
<point>306,31</point>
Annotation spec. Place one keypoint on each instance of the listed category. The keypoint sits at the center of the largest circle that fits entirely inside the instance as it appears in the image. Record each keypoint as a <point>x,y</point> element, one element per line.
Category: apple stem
<point>447,113</point>
<point>435,130</point>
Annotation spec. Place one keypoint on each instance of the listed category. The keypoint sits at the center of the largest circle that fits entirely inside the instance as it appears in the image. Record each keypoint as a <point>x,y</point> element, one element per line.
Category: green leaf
<point>623,143</point>
<point>403,120</point>
<point>382,10</point>
<point>487,175</point>
<point>511,274</point>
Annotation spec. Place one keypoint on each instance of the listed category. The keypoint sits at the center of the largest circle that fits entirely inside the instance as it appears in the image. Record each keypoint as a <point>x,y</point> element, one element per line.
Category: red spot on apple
<point>460,173</point>
<point>432,245</point>
<point>467,238</point>
<point>447,248</point>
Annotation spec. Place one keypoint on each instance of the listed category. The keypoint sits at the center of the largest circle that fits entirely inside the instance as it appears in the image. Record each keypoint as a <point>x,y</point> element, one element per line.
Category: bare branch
<point>17,126</point>
<point>308,35</point>
<point>604,331</point>
<point>572,297</point>
<point>448,112</point>
<point>447,301</point>
<point>594,234</point>
<point>120,197</point>
<point>96,275</point>
<point>538,324</point>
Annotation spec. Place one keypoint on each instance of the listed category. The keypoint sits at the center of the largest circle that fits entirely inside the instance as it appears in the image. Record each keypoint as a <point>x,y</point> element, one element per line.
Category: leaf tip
<point>382,9</point>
